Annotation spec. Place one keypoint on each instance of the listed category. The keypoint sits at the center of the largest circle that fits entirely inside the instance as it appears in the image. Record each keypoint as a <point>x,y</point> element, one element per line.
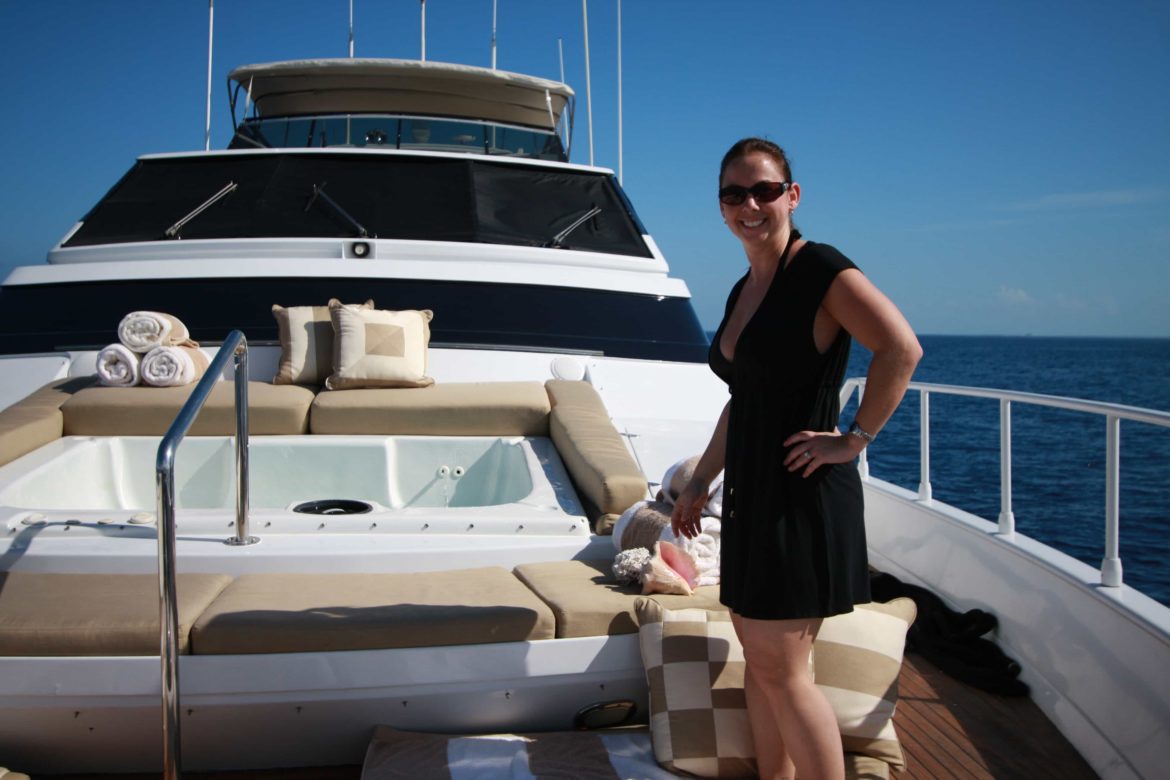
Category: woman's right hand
<point>688,509</point>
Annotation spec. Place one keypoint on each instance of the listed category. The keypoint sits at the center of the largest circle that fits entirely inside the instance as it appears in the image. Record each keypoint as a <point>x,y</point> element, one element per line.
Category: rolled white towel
<point>675,480</point>
<point>173,366</point>
<point>142,331</point>
<point>118,366</point>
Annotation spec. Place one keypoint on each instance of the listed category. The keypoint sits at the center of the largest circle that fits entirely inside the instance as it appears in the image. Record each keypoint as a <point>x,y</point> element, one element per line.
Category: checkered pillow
<point>695,667</point>
<point>858,659</point>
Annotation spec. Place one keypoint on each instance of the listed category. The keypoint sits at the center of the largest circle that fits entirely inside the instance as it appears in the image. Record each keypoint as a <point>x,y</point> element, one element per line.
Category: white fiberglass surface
<point>388,472</point>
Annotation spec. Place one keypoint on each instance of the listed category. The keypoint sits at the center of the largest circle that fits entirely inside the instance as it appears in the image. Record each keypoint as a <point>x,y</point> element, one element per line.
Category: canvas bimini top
<point>472,100</point>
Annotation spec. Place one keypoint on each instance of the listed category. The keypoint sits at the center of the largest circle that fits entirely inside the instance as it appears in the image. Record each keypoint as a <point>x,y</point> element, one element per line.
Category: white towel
<point>118,366</point>
<point>142,331</point>
<point>648,522</point>
<point>675,481</point>
<point>173,366</point>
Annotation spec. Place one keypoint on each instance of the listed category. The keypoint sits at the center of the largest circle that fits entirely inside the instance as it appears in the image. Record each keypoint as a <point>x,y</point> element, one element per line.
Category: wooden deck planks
<point>950,729</point>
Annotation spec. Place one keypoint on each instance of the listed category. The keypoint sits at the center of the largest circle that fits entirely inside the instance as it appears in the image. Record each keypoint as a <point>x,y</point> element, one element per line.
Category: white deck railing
<point>1113,413</point>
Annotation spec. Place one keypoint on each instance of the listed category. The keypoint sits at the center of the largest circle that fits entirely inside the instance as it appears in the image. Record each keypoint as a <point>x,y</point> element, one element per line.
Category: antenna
<point>423,19</point>
<point>588,88</point>
<point>210,35</point>
<point>561,52</point>
<point>619,80</point>
<point>493,34</point>
<point>350,29</point>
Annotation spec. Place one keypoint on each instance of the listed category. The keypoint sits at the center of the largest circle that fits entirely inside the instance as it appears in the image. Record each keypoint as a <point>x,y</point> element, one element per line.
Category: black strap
<point>793,237</point>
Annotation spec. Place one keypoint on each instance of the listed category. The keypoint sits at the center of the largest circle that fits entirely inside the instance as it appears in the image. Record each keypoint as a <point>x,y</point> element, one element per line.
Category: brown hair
<point>746,146</point>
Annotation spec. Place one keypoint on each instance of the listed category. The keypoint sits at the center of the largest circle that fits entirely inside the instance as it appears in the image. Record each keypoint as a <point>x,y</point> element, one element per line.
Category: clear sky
<point>1000,167</point>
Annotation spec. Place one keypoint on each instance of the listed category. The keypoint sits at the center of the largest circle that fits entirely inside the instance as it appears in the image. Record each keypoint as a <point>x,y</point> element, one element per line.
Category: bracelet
<point>856,430</point>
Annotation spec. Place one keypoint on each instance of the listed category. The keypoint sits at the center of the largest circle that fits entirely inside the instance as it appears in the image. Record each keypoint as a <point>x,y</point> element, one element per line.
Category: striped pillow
<point>857,659</point>
<point>306,344</point>
<point>698,716</point>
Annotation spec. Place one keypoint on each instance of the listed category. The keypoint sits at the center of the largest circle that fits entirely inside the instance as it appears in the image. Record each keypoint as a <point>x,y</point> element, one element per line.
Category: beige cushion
<point>306,343</point>
<point>588,601</point>
<point>694,665</point>
<point>297,613</point>
<point>36,419</point>
<point>858,658</point>
<point>608,479</point>
<point>94,614</point>
<point>150,411</point>
<point>695,669</point>
<point>450,409</point>
<point>377,348</point>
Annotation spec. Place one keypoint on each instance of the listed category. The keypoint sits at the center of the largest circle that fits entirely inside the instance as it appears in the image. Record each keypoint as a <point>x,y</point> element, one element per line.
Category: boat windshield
<point>325,194</point>
<point>400,132</point>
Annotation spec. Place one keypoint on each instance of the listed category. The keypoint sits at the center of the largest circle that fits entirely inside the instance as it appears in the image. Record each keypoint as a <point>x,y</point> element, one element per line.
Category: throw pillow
<point>306,344</point>
<point>858,659</point>
<point>378,348</point>
<point>695,668</point>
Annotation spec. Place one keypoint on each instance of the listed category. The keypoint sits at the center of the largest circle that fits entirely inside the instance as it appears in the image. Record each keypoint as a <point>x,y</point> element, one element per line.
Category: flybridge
<point>386,103</point>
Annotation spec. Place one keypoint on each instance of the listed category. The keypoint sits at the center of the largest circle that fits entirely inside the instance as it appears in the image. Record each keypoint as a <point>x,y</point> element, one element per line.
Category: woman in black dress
<point>793,546</point>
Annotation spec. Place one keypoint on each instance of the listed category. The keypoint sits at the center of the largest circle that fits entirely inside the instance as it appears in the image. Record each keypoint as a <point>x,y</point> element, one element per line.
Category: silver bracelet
<point>856,430</point>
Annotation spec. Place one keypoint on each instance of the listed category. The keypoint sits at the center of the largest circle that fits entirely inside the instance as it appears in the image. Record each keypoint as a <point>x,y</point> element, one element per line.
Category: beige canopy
<point>340,86</point>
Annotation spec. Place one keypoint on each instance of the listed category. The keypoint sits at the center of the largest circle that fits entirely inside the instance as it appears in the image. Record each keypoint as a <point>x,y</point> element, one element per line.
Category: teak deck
<point>947,728</point>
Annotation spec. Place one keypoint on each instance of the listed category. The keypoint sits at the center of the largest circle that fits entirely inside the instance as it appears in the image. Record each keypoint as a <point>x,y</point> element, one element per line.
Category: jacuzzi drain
<point>333,506</point>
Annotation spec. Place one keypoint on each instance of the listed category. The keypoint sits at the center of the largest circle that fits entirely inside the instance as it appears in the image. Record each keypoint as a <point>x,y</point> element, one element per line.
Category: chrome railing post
<point>167,559</point>
<point>168,609</point>
<point>924,446</point>
<point>1007,519</point>
<point>242,497</point>
<point>1111,565</point>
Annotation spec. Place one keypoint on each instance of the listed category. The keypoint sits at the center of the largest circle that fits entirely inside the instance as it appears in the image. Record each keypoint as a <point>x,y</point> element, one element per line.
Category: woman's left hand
<point>812,449</point>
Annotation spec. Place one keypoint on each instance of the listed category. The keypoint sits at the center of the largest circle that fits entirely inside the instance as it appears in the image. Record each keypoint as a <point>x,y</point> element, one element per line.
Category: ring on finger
<point>807,454</point>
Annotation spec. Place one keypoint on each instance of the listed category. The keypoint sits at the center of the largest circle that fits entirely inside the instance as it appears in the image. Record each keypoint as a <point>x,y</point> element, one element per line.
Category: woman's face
<point>753,222</point>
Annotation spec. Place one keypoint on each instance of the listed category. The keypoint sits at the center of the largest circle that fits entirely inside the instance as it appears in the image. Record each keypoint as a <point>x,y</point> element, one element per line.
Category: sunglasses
<point>762,191</point>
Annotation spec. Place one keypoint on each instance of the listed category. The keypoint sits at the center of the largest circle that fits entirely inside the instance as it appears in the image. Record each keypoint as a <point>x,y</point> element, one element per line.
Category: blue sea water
<point>1058,456</point>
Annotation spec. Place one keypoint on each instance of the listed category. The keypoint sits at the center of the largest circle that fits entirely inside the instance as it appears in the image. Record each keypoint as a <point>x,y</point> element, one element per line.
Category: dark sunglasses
<point>762,191</point>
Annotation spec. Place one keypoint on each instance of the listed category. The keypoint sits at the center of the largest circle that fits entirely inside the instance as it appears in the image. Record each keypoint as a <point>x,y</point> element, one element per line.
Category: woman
<point>793,546</point>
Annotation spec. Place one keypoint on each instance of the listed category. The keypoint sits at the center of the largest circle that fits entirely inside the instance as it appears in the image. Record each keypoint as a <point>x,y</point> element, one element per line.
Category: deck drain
<point>333,506</point>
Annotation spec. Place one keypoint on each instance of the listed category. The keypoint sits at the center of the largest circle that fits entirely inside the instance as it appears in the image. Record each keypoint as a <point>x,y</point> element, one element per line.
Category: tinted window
<point>42,318</point>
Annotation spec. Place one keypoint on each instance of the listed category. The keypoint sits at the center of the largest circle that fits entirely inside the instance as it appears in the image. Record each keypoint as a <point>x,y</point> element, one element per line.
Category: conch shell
<point>671,570</point>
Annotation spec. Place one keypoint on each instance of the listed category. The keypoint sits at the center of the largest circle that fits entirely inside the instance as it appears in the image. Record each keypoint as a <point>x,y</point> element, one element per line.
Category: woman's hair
<point>747,146</point>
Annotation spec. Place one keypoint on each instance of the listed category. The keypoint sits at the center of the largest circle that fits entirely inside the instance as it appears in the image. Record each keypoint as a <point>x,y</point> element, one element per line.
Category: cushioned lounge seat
<point>444,409</point>
<point>36,419</point>
<point>149,411</point>
<point>295,613</point>
<point>45,614</point>
<point>608,479</point>
<point>588,601</point>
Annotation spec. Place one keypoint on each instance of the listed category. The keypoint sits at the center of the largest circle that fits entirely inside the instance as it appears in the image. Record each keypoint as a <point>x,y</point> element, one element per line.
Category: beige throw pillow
<point>695,667</point>
<point>379,348</point>
<point>306,344</point>
<point>858,659</point>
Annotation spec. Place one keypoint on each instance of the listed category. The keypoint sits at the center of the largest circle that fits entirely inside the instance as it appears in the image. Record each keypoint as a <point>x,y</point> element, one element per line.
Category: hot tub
<point>317,503</point>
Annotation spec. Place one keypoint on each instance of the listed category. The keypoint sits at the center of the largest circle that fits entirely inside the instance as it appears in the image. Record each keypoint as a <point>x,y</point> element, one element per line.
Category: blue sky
<point>1000,167</point>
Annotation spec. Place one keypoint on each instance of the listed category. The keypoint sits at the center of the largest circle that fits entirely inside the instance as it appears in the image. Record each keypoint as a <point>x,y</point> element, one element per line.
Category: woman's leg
<point>777,652</point>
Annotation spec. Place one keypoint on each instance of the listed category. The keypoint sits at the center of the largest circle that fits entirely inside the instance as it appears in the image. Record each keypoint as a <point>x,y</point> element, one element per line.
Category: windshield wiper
<point>558,241</point>
<point>319,192</point>
<point>173,230</point>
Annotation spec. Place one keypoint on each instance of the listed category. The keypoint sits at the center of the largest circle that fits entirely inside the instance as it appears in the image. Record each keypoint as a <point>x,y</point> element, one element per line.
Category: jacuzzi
<point>317,503</point>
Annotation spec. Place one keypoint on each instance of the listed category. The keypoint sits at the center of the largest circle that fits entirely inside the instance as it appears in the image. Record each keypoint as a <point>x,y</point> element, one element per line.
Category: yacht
<point>432,558</point>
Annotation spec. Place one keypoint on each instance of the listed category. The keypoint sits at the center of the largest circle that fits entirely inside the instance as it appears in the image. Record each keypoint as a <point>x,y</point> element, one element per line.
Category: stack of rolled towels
<point>154,349</point>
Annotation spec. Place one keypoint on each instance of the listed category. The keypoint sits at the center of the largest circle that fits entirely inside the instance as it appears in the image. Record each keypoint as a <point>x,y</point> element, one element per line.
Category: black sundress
<point>791,547</point>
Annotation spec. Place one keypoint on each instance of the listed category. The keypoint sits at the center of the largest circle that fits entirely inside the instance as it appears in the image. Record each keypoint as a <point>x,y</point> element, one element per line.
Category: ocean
<point>1058,456</point>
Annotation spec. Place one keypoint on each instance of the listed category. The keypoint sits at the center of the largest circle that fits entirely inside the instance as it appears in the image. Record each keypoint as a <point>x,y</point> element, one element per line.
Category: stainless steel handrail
<point>1111,570</point>
<point>235,345</point>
